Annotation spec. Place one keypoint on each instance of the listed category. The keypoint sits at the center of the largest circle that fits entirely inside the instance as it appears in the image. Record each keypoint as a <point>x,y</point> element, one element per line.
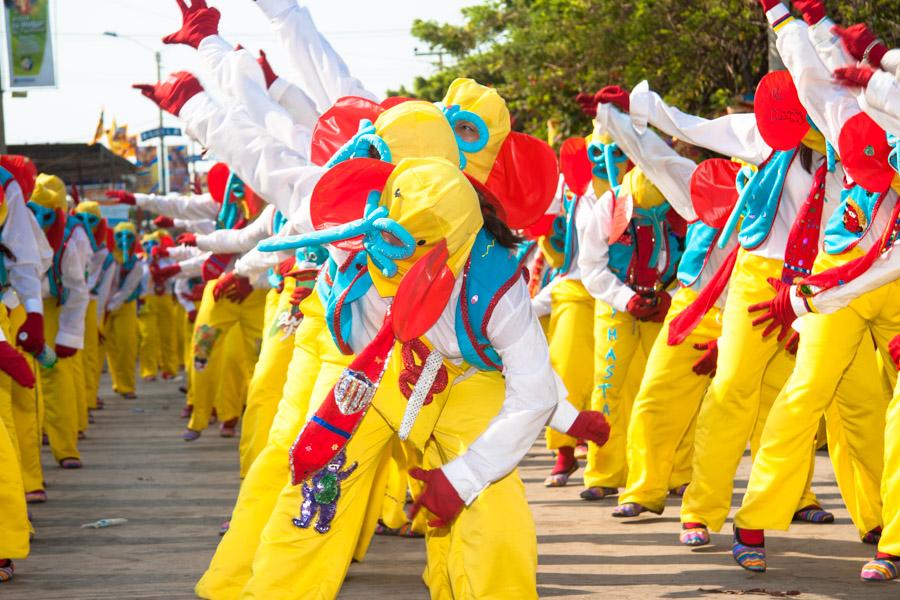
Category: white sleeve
<point>182,289</point>
<point>531,397</point>
<point>196,225</point>
<point>242,78</point>
<point>322,72</point>
<point>105,289</point>
<point>829,105</point>
<point>669,171</point>
<point>275,171</point>
<point>732,135</point>
<point>296,102</point>
<point>542,302</point>
<point>131,283</point>
<point>22,235</point>
<point>192,267</point>
<point>881,101</point>
<point>74,279</point>
<point>238,241</point>
<point>254,263</point>
<point>563,416</point>
<point>177,206</point>
<point>593,258</point>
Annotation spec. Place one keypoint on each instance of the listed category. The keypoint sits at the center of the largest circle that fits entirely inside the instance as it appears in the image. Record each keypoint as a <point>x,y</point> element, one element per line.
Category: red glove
<point>769,4</point>
<point>159,252</point>
<point>65,351</point>
<point>196,187</point>
<point>793,343</point>
<point>187,239</point>
<point>438,496</point>
<point>662,303</point>
<point>813,10</point>
<point>173,93</point>
<point>894,349</point>
<point>162,274</point>
<point>588,104</point>
<point>31,334</point>
<point>707,363</point>
<point>163,221</point>
<point>198,23</point>
<point>779,313</point>
<point>239,289</point>
<point>854,77</point>
<point>590,425</point>
<point>641,308</point>
<point>614,94</point>
<point>268,73</point>
<point>121,197</point>
<point>192,316</point>
<point>14,364</point>
<point>857,39</point>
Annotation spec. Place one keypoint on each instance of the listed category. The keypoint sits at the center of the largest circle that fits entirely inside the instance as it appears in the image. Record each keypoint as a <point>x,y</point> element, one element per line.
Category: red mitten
<point>853,77</point>
<point>239,289</point>
<point>779,313</point>
<point>121,197</point>
<point>894,349</point>
<point>162,274</point>
<point>268,73</point>
<point>858,40</point>
<point>813,10</point>
<point>222,285</point>
<point>187,239</point>
<point>614,94</point>
<point>31,334</point>
<point>14,364</point>
<point>663,302</point>
<point>173,93</point>
<point>438,496</point>
<point>300,294</point>
<point>588,104</point>
<point>159,252</point>
<point>707,363</point>
<point>198,23</point>
<point>65,351</point>
<point>640,308</point>
<point>163,221</point>
<point>192,316</point>
<point>590,425</point>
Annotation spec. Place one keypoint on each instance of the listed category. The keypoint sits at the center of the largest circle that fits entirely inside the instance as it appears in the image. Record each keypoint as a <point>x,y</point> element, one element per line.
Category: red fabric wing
<point>780,117</point>
<point>217,180</point>
<point>713,190</point>
<point>423,294</point>
<point>339,124</point>
<point>575,165</point>
<point>524,179</point>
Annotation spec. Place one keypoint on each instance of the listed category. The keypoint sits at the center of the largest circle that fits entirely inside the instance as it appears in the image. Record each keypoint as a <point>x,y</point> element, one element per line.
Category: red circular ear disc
<point>713,190</point>
<point>780,116</point>
<point>339,124</point>
<point>523,180</point>
<point>864,153</point>
<point>575,165</point>
<point>217,181</point>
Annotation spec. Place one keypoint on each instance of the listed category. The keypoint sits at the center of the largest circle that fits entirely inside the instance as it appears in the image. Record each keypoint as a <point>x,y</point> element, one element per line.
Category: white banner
<point>29,43</point>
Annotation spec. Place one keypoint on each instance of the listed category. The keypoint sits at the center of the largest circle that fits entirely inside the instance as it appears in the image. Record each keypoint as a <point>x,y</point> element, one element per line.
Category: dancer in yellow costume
<point>121,329</point>
<point>66,299</point>
<point>154,315</point>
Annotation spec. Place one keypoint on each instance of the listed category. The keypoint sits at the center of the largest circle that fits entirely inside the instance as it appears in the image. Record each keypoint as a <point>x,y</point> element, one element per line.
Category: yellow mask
<point>432,199</point>
<point>88,207</point>
<point>601,186</point>
<point>485,102</point>
<point>49,192</point>
<point>415,129</point>
<point>643,193</point>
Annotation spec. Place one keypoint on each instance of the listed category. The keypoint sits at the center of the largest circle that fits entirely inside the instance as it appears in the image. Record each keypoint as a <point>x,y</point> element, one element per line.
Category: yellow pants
<point>269,375</point>
<point>315,366</point>
<point>179,335</point>
<point>58,387</point>
<point>91,355</point>
<point>28,414</point>
<point>214,321</point>
<point>169,325</point>
<point>121,332</point>
<point>81,398</point>
<point>836,361</point>
<point>482,555</point>
<point>571,337</point>
<point>399,460</point>
<point>157,350</point>
<point>660,434</point>
<point>621,345</point>
<point>14,526</point>
<point>890,485</point>
<point>233,378</point>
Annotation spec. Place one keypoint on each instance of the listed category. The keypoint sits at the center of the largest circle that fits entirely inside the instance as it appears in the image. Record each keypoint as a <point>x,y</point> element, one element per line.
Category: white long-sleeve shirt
<point>123,289</point>
<point>95,269</point>
<point>322,73</point>
<point>241,77</point>
<point>239,241</point>
<point>203,226</point>
<point>22,235</point>
<point>73,273</point>
<point>532,394</point>
<point>104,291</point>
<point>278,173</point>
<point>201,206</point>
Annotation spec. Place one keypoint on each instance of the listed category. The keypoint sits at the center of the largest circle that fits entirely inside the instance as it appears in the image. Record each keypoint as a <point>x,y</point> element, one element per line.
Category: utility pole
<point>2,120</point>
<point>439,54</point>
<point>163,157</point>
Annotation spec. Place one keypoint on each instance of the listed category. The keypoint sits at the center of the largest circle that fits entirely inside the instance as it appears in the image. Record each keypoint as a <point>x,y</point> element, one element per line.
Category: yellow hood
<point>49,192</point>
<point>491,107</point>
<point>416,129</point>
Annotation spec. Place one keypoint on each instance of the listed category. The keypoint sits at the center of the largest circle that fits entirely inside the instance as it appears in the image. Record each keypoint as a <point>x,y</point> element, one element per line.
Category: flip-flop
<point>70,463</point>
<point>561,479</point>
<point>694,536</point>
<point>36,497</point>
<point>879,569</point>
<point>6,571</point>
<point>190,435</point>
<point>872,537</point>
<point>598,493</point>
<point>628,510</point>
<point>813,514</point>
<point>224,527</point>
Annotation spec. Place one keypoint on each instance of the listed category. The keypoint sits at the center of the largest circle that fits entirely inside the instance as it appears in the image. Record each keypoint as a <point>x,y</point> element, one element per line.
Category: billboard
<point>148,170</point>
<point>29,43</point>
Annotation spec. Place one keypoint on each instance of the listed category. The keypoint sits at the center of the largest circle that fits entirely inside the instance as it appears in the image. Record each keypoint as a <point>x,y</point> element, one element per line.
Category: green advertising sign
<point>29,43</point>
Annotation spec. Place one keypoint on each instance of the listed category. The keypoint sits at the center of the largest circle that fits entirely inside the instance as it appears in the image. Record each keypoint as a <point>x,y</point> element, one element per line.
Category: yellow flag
<point>98,133</point>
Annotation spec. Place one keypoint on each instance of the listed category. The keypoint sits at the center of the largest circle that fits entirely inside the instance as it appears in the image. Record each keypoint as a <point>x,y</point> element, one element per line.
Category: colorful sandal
<point>598,493</point>
<point>224,527</point>
<point>186,411</point>
<point>880,569</point>
<point>190,435</point>
<point>6,570</point>
<point>694,534</point>
<point>70,463</point>
<point>751,557</point>
<point>226,428</point>
<point>36,497</point>
<point>873,537</point>
<point>628,510</point>
<point>679,491</point>
<point>813,514</point>
<point>561,479</point>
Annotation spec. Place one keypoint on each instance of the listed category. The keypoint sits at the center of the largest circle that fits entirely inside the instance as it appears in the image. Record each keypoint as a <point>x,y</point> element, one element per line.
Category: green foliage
<point>701,54</point>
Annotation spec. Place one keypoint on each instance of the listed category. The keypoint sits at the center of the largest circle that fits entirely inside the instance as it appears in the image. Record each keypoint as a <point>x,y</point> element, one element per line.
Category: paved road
<point>174,496</point>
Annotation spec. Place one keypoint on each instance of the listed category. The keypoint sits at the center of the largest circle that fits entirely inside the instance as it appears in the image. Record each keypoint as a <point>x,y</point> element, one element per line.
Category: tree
<point>700,54</point>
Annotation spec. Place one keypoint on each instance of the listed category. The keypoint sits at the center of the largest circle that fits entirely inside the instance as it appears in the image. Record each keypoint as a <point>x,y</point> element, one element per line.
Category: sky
<point>95,72</point>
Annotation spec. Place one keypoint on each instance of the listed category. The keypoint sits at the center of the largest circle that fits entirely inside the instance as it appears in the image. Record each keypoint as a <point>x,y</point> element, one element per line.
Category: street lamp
<point>163,179</point>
